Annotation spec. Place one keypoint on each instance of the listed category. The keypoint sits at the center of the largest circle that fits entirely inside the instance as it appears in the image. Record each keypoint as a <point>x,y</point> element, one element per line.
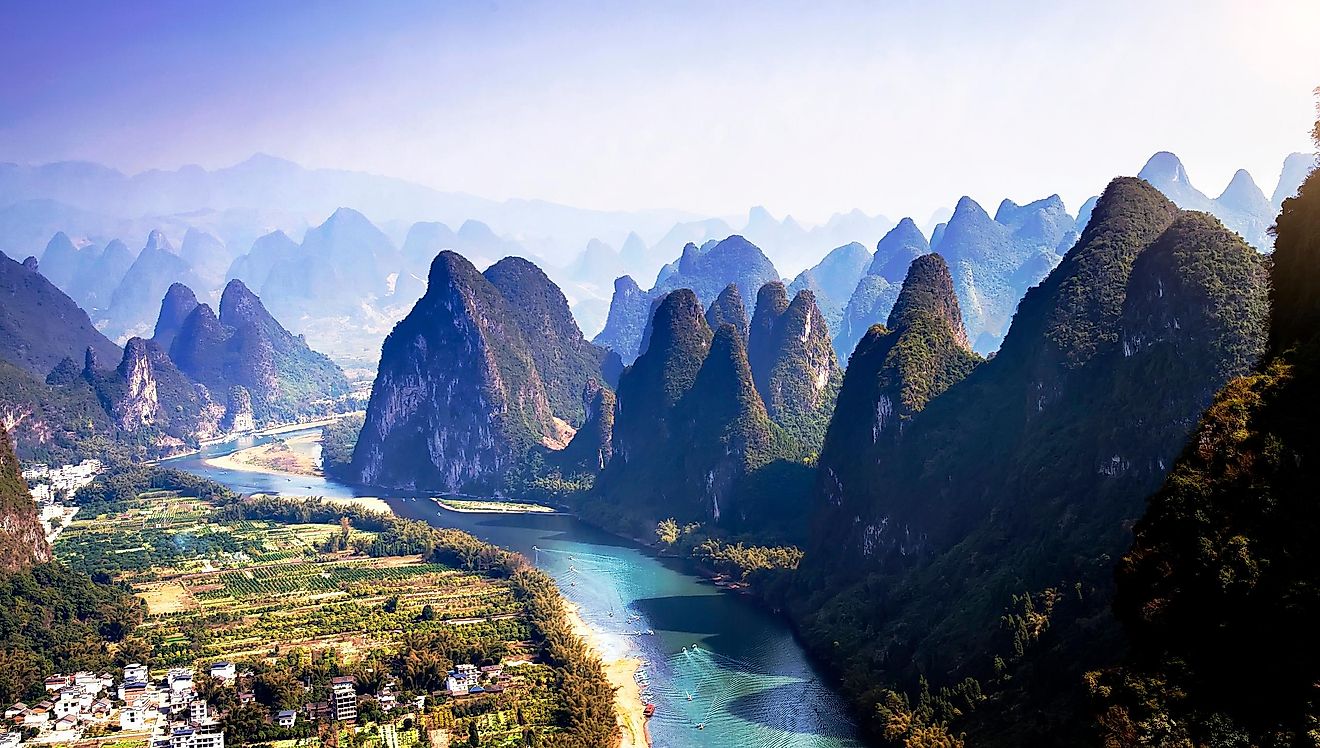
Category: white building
<point>135,673</point>
<point>133,718</point>
<point>461,680</point>
<point>11,739</point>
<point>209,734</point>
<point>343,698</point>
<point>224,672</point>
<point>287,718</point>
<point>197,712</point>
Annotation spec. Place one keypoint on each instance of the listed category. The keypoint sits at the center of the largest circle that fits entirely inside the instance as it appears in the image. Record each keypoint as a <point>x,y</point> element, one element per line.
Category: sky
<point>807,108</point>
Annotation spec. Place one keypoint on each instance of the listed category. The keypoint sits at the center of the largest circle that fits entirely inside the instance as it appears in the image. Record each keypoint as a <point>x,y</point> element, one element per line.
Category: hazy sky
<point>807,108</point>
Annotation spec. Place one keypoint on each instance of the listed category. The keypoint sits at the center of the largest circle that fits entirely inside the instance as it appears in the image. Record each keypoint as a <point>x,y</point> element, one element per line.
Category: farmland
<point>304,590</point>
<point>244,589</point>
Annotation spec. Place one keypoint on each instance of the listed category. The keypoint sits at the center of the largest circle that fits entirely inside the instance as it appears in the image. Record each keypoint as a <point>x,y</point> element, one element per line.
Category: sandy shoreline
<point>620,672</point>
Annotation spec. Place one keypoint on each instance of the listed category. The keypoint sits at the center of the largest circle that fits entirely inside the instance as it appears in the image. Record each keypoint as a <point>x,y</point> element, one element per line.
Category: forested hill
<point>1219,593</point>
<point>1011,492</point>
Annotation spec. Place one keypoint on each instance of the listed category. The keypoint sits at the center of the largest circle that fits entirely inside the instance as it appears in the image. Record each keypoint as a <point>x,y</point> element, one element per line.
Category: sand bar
<point>621,673</point>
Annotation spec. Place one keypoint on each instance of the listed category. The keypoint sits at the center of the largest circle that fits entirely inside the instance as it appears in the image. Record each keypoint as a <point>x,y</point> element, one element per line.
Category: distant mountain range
<point>1242,206</point>
<point>264,221</point>
<point>66,391</point>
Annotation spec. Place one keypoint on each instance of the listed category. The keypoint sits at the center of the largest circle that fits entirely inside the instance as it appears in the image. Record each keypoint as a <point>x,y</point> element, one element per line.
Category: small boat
<point>701,725</point>
<point>688,694</point>
<point>649,711</point>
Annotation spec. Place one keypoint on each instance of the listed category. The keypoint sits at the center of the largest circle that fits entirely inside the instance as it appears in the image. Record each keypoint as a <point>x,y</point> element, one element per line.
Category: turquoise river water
<point>713,659</point>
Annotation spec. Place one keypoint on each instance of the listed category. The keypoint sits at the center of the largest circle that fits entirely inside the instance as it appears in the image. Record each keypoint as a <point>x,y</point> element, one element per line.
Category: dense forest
<point>1218,592</point>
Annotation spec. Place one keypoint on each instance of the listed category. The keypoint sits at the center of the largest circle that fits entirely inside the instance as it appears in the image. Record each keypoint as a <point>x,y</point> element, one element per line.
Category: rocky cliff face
<point>238,417</point>
<point>22,539</point>
<point>592,446</point>
<point>728,309</point>
<point>459,397</point>
<point>147,392</point>
<point>1023,476</point>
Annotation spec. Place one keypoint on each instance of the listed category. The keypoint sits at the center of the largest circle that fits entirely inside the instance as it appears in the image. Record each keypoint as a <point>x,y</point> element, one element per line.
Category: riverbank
<point>286,457</point>
<point>280,429</point>
<point>621,672</point>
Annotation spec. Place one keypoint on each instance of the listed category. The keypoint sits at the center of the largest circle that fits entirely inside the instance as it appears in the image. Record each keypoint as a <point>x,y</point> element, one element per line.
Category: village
<point>168,712</point>
<point>52,488</point>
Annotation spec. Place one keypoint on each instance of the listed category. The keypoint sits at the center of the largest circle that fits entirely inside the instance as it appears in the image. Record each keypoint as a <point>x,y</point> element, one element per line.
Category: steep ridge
<point>630,308</point>
<point>803,378</point>
<point>894,372</point>
<point>1017,482</point>
<point>706,270</point>
<point>133,303</point>
<point>728,309</point>
<point>1217,594</point>
<point>266,253</point>
<point>22,539</point>
<point>179,302</point>
<point>148,393</point>
<point>771,303</point>
<point>60,261</point>
<point>834,279</point>
<point>294,376</point>
<point>1241,206</point>
<point>40,325</point>
<point>96,282</point>
<point>692,439</point>
<point>246,347</point>
<point>564,359</point>
<point>876,291</point>
<point>460,397</point>
<point>994,263</point>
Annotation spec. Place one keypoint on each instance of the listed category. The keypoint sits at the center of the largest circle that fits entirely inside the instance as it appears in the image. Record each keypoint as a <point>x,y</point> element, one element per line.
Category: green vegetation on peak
<point>804,375</point>
<point>728,309</point>
<point>1218,593</point>
<point>1011,490</point>
<point>563,357</point>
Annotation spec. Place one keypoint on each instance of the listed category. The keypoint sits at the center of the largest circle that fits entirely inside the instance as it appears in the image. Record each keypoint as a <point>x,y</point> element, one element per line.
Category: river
<point>749,682</point>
